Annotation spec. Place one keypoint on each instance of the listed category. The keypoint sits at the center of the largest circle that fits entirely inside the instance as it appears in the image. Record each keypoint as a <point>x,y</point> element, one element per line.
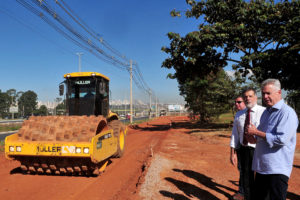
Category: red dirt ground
<point>167,158</point>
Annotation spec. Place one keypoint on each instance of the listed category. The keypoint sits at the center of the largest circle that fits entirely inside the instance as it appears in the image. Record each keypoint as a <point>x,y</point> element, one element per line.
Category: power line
<point>81,39</point>
<point>78,20</point>
<point>65,34</point>
<point>76,33</point>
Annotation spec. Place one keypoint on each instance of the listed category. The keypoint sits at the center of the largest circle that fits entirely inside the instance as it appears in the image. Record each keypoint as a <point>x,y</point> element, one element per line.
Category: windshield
<point>81,96</point>
<point>82,88</point>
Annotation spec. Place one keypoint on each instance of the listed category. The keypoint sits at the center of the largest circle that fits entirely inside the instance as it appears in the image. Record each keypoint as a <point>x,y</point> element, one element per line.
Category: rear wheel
<point>119,132</point>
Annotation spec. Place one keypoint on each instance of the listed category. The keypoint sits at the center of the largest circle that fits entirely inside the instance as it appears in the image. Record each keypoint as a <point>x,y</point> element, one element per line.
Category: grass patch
<point>9,128</point>
<point>223,123</point>
<point>1,145</point>
<point>225,118</point>
<point>137,121</point>
<point>219,127</point>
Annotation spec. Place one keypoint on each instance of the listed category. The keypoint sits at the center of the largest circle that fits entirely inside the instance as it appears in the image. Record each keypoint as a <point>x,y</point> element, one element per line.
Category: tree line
<point>257,39</point>
<point>26,102</point>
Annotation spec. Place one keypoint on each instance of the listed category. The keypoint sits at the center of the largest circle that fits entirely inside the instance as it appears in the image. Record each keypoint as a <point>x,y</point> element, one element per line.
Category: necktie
<point>247,123</point>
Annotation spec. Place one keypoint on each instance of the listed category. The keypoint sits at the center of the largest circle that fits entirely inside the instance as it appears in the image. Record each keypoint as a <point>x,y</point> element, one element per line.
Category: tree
<point>61,107</point>
<point>293,100</point>
<point>257,38</point>
<point>208,97</point>
<point>4,104</point>
<point>28,102</point>
<point>18,95</point>
<point>42,111</point>
<point>12,94</point>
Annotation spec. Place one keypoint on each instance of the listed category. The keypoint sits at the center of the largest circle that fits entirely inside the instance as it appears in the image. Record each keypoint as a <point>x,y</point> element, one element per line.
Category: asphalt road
<point>11,121</point>
<point>4,134</point>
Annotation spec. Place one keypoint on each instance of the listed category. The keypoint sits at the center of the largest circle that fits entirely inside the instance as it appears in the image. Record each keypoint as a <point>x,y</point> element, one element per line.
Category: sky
<point>35,57</point>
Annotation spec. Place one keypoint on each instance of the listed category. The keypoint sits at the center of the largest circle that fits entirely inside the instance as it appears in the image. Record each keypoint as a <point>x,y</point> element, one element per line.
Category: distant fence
<point>11,122</point>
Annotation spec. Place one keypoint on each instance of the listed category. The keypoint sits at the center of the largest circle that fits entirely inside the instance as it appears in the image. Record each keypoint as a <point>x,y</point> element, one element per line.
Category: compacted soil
<point>166,158</point>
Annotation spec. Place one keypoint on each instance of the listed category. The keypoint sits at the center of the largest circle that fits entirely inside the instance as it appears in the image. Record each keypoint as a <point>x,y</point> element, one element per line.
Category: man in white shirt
<point>246,144</point>
<point>236,160</point>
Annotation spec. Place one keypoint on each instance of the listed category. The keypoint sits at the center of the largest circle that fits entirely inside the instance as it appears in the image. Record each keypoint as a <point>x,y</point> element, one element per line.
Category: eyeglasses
<point>238,102</point>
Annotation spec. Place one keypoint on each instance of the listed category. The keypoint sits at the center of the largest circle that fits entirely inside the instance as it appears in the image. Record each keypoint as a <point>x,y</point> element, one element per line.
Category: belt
<point>247,147</point>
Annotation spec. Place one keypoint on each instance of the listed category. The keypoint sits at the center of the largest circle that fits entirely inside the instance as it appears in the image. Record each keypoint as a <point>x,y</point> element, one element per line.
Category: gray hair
<point>247,90</point>
<point>270,81</point>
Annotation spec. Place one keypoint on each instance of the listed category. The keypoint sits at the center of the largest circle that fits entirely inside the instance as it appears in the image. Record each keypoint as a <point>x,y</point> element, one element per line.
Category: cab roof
<point>85,74</point>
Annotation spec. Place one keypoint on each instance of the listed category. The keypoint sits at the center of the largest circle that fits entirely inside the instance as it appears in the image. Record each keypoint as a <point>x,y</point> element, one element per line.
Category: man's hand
<point>251,130</point>
<point>251,139</point>
<point>233,157</point>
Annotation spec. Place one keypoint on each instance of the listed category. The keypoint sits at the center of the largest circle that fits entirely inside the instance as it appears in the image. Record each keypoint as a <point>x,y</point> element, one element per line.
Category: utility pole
<point>131,91</point>
<point>12,102</point>
<point>125,109</point>
<point>150,104</point>
<point>156,108</point>
<point>79,61</point>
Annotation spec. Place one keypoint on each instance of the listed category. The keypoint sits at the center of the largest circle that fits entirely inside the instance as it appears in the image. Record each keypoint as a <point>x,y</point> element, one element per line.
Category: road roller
<point>80,142</point>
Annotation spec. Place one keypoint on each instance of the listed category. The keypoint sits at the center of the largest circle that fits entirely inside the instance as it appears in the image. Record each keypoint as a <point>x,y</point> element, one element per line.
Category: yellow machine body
<point>102,146</point>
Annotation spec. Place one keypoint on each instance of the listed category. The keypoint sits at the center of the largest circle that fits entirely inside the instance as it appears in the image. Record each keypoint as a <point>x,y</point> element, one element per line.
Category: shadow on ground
<point>292,196</point>
<point>197,125</point>
<point>153,127</point>
<point>191,190</point>
<point>234,182</point>
<point>194,126</point>
<point>297,166</point>
<point>18,170</point>
<point>174,196</point>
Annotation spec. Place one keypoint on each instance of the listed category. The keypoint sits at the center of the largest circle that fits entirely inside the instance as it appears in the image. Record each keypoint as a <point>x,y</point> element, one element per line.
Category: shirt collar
<point>277,106</point>
<point>253,109</point>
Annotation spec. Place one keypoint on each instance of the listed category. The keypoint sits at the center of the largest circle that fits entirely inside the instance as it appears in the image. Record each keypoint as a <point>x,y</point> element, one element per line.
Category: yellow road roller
<point>78,143</point>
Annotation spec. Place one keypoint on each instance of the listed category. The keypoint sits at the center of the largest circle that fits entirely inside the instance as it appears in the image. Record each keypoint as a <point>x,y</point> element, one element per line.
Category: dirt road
<point>167,158</point>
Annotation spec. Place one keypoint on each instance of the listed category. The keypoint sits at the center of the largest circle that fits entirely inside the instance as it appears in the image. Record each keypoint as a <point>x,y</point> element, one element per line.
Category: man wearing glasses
<point>239,103</point>
<point>245,143</point>
<point>235,153</point>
